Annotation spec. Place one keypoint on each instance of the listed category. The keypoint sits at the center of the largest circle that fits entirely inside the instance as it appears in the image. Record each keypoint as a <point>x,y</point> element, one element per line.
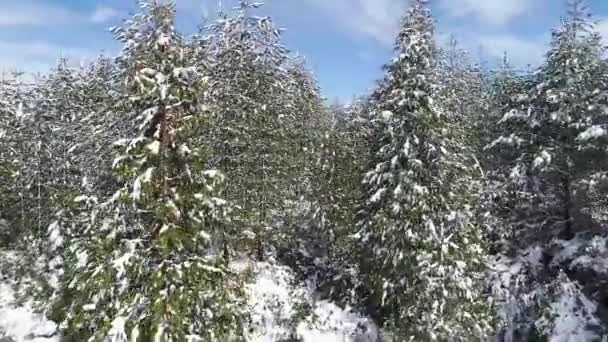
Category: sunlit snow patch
<point>276,303</point>
<point>21,322</point>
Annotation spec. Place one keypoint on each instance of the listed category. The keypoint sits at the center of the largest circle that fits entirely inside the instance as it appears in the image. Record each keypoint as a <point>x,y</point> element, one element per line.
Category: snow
<point>117,332</point>
<point>274,301</point>
<point>582,253</point>
<point>512,114</point>
<point>517,172</point>
<point>154,147</point>
<point>82,258</point>
<point>520,288</point>
<point>121,142</point>
<point>377,196</point>
<point>420,190</point>
<point>544,158</point>
<point>184,150</point>
<point>511,140</point>
<point>55,237</point>
<point>592,133</point>
<point>73,148</point>
<point>136,194</point>
<point>148,174</point>
<point>21,322</point>
<point>121,263</point>
<point>146,177</point>
<point>184,73</point>
<point>212,173</point>
<point>572,314</point>
<point>511,294</point>
<point>387,115</point>
<point>19,113</point>
<point>80,198</point>
<point>163,40</point>
<point>89,307</point>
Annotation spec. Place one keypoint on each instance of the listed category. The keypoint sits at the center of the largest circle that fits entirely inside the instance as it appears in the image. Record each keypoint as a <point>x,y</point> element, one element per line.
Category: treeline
<point>450,204</point>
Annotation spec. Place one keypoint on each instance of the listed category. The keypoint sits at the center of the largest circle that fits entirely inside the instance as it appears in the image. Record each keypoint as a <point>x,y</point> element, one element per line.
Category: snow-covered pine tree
<point>423,248</point>
<point>460,90</point>
<point>252,114</point>
<point>8,108</point>
<point>142,267</point>
<point>101,120</point>
<point>340,156</point>
<point>27,188</point>
<point>341,162</point>
<point>554,142</point>
<point>59,104</point>
<point>41,121</point>
<point>48,175</point>
<point>308,118</point>
<point>12,204</point>
<point>56,121</point>
<point>300,224</point>
<point>550,121</point>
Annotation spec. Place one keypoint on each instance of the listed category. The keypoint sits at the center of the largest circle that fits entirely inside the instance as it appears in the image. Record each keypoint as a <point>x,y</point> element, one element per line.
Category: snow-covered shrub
<point>534,296</point>
<point>568,315</point>
<point>284,309</point>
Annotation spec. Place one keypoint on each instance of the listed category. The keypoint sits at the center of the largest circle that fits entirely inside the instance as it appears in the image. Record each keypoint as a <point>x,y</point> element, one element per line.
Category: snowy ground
<point>522,288</point>
<point>281,309</point>
<point>21,323</point>
<point>276,301</point>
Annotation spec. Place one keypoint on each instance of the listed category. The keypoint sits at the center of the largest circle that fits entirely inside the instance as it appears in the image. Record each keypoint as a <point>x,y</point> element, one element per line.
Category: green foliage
<point>422,246</point>
<point>143,264</point>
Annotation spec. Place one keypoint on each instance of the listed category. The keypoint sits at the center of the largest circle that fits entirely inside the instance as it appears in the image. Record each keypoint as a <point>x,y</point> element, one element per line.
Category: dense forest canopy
<point>148,197</point>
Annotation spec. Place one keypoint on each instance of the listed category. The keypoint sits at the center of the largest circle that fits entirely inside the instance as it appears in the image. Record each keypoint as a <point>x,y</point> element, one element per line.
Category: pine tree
<point>553,121</point>
<point>101,120</point>
<point>424,247</point>
<point>141,265</point>
<point>503,193</point>
<point>253,114</point>
<point>460,90</point>
<point>301,224</point>
<point>56,122</point>
<point>339,169</point>
<point>13,100</point>
<point>48,177</point>
<point>551,151</point>
<point>308,118</point>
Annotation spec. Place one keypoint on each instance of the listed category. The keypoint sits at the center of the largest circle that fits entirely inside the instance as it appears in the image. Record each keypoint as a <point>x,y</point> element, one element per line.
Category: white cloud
<point>104,14</point>
<point>379,20</point>
<point>495,12</point>
<point>40,49</point>
<point>39,56</point>
<point>18,14</point>
<point>602,28</point>
<point>370,19</point>
<point>521,51</point>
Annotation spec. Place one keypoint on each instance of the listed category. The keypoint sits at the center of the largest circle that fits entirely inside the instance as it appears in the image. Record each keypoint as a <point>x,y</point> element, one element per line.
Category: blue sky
<point>345,42</point>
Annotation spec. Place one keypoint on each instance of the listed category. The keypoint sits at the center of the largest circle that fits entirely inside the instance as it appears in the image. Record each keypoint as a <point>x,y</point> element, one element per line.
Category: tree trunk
<point>568,231</point>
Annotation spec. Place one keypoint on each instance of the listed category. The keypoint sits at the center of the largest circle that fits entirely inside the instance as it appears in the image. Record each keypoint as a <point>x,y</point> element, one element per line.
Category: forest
<point>200,188</point>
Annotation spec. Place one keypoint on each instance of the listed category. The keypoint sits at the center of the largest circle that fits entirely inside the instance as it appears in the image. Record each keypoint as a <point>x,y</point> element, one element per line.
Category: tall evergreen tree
<point>424,247</point>
<point>13,206</point>
<point>552,150</point>
<point>141,267</point>
<point>551,123</point>
<point>253,114</point>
